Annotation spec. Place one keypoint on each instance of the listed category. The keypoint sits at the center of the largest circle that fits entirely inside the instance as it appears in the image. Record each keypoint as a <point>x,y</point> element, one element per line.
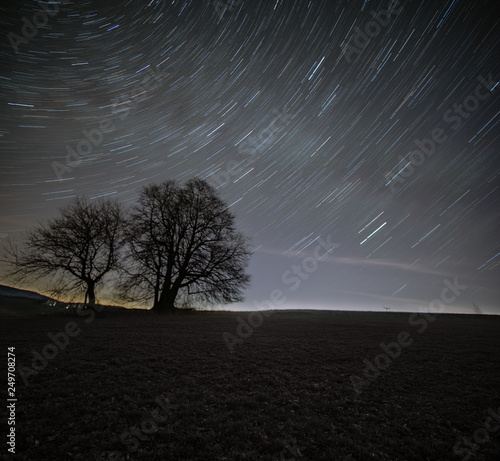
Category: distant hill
<point>14,301</point>
<point>11,292</point>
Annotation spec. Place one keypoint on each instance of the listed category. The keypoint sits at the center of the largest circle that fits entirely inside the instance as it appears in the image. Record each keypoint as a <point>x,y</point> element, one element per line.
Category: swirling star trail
<point>374,123</point>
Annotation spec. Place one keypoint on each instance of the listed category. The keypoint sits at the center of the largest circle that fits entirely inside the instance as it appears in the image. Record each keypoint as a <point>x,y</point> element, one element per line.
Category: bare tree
<point>182,243</point>
<point>75,250</point>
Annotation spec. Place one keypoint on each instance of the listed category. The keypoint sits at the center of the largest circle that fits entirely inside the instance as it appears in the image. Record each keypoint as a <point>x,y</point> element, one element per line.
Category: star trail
<point>373,124</point>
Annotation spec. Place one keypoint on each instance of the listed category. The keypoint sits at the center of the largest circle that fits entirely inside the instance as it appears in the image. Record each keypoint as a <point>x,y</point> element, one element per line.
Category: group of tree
<point>176,243</point>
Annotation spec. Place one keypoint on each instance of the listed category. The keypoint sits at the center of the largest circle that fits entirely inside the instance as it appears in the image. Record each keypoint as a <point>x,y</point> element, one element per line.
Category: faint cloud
<point>388,264</point>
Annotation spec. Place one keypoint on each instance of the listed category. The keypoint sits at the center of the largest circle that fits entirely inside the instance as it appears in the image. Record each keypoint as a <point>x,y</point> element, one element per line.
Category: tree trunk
<point>91,294</point>
<point>166,303</point>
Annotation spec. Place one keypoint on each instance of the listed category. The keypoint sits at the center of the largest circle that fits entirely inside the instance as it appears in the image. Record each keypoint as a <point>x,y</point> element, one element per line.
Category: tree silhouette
<point>77,249</point>
<point>182,243</point>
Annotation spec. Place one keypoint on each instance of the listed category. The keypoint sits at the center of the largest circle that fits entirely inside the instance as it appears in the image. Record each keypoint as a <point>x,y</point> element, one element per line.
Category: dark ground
<point>284,394</point>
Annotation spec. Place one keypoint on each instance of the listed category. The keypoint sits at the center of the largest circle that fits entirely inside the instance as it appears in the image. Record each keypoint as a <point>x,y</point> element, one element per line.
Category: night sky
<point>370,124</point>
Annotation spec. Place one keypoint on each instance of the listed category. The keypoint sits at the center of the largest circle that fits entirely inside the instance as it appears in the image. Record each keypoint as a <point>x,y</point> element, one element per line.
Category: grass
<point>284,394</point>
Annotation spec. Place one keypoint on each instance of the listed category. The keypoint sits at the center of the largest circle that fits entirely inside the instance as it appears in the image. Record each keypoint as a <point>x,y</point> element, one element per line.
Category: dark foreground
<point>141,387</point>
